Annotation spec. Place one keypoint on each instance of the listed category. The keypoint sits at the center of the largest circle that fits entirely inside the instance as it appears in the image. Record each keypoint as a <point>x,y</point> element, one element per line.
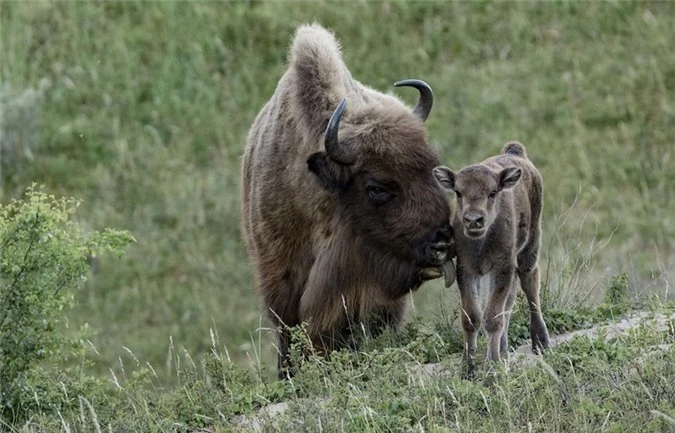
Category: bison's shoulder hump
<point>316,58</point>
<point>313,43</point>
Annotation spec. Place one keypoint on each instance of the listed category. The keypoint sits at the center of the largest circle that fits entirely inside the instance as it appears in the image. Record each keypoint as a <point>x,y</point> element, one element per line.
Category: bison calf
<point>497,231</point>
<point>341,214</point>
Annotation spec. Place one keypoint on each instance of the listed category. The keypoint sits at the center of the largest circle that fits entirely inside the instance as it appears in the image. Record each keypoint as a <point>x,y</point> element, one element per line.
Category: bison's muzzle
<point>435,247</point>
<point>437,250</point>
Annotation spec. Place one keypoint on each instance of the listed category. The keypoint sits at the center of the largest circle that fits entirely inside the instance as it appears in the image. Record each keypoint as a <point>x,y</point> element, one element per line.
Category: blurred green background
<point>141,109</point>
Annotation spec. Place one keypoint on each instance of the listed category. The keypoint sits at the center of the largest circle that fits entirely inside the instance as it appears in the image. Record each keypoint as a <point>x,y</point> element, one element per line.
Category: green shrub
<point>43,260</point>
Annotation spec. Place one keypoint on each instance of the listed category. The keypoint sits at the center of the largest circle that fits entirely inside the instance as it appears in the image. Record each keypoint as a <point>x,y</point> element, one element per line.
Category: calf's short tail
<point>514,148</point>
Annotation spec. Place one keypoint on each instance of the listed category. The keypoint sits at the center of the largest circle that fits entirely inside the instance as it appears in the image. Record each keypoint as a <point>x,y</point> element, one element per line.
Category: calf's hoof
<point>540,342</point>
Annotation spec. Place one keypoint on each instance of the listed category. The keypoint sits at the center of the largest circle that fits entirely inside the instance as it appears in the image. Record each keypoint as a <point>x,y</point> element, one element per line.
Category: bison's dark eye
<point>492,194</point>
<point>378,194</point>
<point>459,196</point>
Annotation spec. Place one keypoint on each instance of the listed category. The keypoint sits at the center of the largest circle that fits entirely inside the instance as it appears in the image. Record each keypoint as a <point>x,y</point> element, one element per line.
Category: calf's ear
<point>445,177</point>
<point>509,177</point>
<point>332,176</point>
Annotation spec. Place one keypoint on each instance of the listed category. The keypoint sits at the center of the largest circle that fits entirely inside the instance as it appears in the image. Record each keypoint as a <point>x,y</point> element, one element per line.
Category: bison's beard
<point>354,264</point>
<point>397,275</point>
<point>394,274</point>
<point>351,279</point>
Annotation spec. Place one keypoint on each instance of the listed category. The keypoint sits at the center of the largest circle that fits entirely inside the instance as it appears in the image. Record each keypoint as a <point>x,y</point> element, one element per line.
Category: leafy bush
<point>43,260</point>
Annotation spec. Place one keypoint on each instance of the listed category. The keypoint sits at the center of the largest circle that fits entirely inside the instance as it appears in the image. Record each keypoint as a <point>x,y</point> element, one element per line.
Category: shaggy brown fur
<point>333,243</point>
<point>497,231</point>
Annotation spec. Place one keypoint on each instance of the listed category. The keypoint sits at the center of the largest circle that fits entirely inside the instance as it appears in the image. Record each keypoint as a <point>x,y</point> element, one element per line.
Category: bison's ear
<point>509,177</point>
<point>445,177</point>
<point>333,176</point>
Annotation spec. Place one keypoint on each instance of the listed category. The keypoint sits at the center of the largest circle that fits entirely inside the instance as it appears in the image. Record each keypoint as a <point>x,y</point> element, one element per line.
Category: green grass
<point>582,385</point>
<point>141,110</point>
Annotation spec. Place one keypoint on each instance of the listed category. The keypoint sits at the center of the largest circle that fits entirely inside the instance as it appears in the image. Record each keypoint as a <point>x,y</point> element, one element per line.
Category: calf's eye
<point>492,194</point>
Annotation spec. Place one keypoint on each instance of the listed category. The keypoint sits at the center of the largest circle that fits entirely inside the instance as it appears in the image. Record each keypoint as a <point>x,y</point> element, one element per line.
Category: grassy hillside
<point>141,109</point>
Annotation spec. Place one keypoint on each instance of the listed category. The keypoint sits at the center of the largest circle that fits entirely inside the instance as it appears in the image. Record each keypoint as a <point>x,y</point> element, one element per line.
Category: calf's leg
<point>529,281</point>
<point>510,300</point>
<point>470,314</point>
<point>501,286</point>
<point>528,273</point>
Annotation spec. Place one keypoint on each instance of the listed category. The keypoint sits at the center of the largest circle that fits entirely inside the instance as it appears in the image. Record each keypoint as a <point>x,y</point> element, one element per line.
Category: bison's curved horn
<point>426,101</point>
<point>336,150</point>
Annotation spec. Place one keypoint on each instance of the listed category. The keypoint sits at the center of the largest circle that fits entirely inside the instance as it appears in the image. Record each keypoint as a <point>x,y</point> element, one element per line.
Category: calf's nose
<point>474,220</point>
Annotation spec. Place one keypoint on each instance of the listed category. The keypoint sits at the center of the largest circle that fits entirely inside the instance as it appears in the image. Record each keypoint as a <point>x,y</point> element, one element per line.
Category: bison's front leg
<point>389,315</point>
<point>283,359</point>
<point>326,304</point>
<point>501,285</point>
<point>281,296</point>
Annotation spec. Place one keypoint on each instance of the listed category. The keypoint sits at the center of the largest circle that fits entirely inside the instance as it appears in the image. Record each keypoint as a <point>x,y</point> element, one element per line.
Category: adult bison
<point>342,217</point>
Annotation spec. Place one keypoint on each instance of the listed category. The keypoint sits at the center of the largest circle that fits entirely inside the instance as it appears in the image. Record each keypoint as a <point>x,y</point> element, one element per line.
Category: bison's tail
<point>514,148</point>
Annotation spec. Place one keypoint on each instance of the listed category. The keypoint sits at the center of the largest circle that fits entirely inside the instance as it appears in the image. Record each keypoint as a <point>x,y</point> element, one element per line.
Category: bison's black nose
<point>436,253</point>
<point>474,220</point>
<point>437,247</point>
